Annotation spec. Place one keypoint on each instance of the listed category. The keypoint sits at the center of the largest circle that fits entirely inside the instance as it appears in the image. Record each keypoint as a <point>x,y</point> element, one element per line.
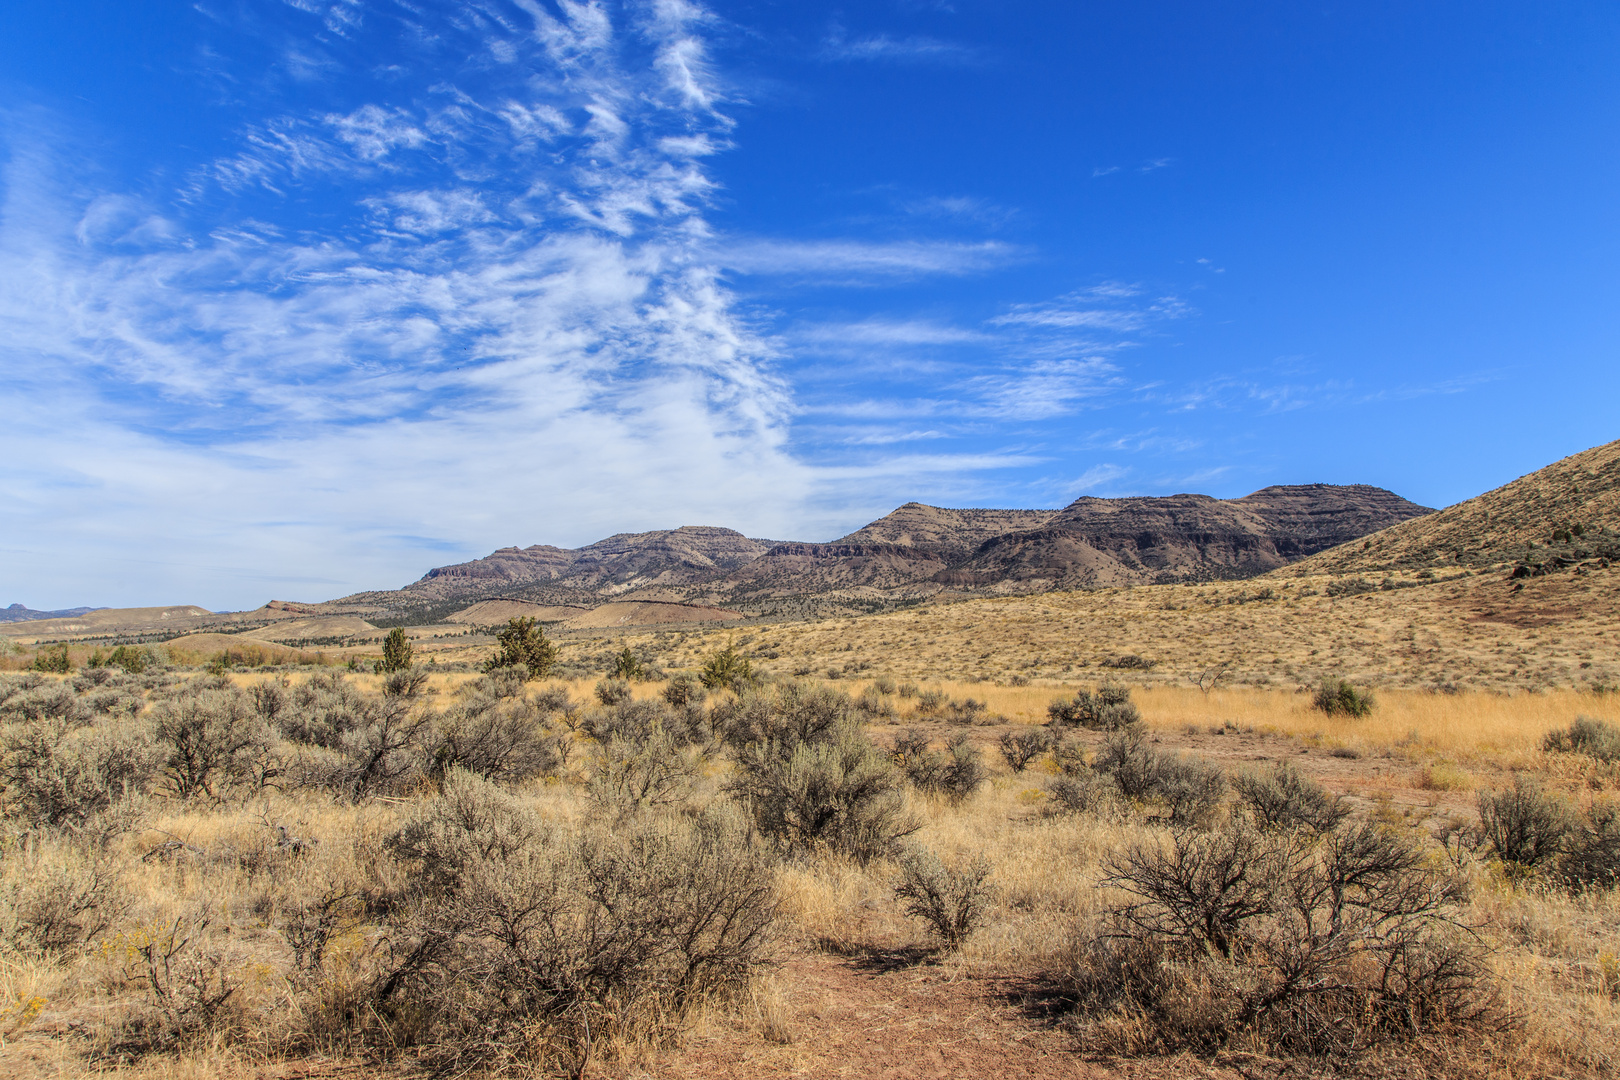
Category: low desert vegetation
<point>501,873</point>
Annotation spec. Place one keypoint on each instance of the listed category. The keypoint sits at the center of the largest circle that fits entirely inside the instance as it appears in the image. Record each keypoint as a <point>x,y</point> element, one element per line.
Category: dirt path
<point>893,1014</point>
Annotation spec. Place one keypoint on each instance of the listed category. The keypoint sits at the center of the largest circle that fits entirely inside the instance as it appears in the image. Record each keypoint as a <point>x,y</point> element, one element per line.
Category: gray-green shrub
<point>1083,793</point>
<point>1018,749</point>
<point>1524,825</point>
<point>1321,944</point>
<point>58,773</point>
<point>534,952</point>
<point>405,682</point>
<point>212,740</point>
<point>1108,709</point>
<point>1281,798</point>
<point>952,901</point>
<point>612,691</point>
<point>1586,735</point>
<point>1591,856</point>
<point>809,775</point>
<point>57,895</point>
<point>505,739</point>
<point>1189,789</point>
<point>631,775</point>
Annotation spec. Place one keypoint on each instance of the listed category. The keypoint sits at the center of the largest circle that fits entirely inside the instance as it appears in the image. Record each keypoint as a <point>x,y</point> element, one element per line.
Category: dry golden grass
<point>1468,631</point>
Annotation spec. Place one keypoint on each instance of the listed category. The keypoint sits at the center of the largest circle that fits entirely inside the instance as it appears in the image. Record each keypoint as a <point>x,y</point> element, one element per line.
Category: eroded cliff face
<point>1093,543</point>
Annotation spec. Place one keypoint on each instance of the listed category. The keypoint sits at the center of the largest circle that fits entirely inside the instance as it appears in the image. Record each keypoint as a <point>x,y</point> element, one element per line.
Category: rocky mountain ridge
<point>917,552</point>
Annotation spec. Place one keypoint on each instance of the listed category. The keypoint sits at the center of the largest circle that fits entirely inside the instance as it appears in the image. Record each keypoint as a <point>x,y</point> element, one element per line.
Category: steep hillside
<point>1556,517</point>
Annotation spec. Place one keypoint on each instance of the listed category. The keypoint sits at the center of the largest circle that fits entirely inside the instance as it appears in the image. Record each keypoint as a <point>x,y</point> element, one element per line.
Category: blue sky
<point>299,297</point>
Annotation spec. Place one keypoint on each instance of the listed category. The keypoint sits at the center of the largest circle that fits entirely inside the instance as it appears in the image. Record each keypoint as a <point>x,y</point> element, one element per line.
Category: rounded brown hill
<point>1569,510</point>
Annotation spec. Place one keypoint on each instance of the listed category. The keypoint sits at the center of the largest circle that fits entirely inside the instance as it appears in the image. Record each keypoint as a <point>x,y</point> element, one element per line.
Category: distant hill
<point>916,552</point>
<point>19,613</point>
<point>1556,517</point>
<point>705,573</point>
<point>175,619</point>
<point>621,563</point>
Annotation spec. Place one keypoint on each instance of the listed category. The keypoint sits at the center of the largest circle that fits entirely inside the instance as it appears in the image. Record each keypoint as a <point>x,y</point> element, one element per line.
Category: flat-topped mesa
<point>1307,518</point>
<point>1093,543</point>
<point>950,532</point>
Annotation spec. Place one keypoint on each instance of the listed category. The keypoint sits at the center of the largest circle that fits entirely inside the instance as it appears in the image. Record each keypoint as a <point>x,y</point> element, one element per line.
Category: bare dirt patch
<point>885,1013</point>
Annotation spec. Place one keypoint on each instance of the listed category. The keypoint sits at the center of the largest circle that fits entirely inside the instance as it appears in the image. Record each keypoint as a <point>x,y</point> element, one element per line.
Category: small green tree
<point>523,644</point>
<point>54,660</point>
<point>627,666</point>
<point>727,669</point>
<point>129,657</point>
<point>1337,697</point>
<point>396,651</point>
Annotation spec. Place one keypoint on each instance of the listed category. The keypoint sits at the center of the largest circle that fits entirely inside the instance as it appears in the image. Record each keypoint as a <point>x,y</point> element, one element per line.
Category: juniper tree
<point>396,651</point>
<point>727,669</point>
<point>523,644</point>
<point>627,666</point>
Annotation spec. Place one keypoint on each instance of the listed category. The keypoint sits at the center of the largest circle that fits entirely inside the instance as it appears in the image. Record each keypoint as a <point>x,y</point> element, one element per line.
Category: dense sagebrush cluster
<point>1273,922</point>
<point>495,937</point>
<point>520,941</point>
<point>1285,938</point>
<point>471,920</point>
<point>472,932</point>
<point>1535,833</point>
<point>1259,914</point>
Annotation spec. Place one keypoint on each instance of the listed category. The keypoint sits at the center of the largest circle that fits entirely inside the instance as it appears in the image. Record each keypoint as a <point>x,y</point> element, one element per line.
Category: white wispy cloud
<point>1042,390</point>
<point>967,208</point>
<point>838,45</point>
<point>1112,306</point>
<point>898,332</point>
<point>254,396</point>
<point>853,261</point>
<point>511,325</point>
<point>1098,476</point>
